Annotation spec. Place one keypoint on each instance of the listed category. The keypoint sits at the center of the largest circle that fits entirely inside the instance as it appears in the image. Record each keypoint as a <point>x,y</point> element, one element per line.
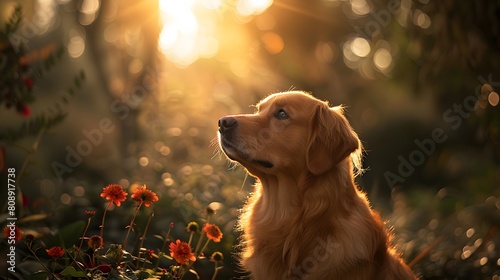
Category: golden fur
<point>306,218</point>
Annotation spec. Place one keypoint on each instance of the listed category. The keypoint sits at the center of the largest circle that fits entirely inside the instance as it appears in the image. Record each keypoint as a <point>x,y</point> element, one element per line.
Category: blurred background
<point>130,92</point>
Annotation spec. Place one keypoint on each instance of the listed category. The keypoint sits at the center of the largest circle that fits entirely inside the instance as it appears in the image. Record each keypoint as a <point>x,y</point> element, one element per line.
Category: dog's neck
<point>286,195</point>
<point>278,196</point>
<point>301,204</point>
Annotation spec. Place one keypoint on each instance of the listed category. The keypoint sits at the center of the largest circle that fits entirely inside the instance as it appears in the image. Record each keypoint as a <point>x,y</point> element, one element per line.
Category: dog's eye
<point>281,114</point>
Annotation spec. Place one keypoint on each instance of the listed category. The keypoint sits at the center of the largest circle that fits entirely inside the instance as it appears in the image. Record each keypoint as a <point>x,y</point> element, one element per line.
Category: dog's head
<point>290,132</point>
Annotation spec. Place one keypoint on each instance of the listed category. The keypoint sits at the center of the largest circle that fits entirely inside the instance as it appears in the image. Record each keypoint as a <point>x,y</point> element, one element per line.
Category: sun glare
<point>190,27</point>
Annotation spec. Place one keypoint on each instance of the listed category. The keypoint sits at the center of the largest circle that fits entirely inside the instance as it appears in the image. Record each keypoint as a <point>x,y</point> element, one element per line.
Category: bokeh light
<point>360,47</point>
<point>360,7</point>
<point>421,19</point>
<point>89,10</point>
<point>192,29</point>
<point>44,18</point>
<point>76,43</point>
<point>382,59</point>
<point>493,98</point>
<point>252,7</point>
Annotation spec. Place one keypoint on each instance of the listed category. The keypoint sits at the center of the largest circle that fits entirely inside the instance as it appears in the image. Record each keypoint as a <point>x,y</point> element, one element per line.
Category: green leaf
<point>39,275</point>
<point>72,272</point>
<point>33,126</point>
<point>68,235</point>
<point>144,275</point>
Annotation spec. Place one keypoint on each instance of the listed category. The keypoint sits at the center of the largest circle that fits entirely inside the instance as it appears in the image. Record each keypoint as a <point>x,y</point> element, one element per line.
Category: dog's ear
<point>331,139</point>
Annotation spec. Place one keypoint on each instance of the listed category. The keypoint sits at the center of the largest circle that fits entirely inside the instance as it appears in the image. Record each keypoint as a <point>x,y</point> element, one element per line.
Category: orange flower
<point>143,195</point>
<point>114,193</point>
<point>13,233</point>
<point>55,252</point>
<point>213,232</point>
<point>95,242</point>
<point>181,252</point>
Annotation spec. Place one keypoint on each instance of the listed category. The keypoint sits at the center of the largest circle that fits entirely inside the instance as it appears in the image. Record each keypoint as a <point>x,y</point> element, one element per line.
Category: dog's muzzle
<point>230,146</point>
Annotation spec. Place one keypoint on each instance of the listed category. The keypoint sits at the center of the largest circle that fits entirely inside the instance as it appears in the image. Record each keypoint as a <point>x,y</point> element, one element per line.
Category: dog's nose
<point>226,124</point>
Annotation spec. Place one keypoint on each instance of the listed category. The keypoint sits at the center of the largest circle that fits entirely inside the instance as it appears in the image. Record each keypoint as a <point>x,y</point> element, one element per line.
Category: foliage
<point>18,78</point>
<point>15,81</point>
<point>67,256</point>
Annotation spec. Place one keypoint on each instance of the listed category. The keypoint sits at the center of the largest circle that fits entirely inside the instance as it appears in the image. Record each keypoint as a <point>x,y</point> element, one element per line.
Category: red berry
<point>26,111</point>
<point>28,82</point>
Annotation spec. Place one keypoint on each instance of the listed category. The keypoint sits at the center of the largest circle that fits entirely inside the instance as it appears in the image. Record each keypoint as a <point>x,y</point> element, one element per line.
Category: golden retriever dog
<point>306,218</point>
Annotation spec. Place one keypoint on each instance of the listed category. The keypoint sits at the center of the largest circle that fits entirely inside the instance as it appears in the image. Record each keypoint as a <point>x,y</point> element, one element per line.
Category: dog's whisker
<point>244,181</point>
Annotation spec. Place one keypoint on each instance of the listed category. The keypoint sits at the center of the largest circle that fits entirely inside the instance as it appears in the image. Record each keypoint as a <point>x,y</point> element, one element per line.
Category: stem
<point>199,243</point>
<point>146,229</point>
<point>84,233</point>
<point>205,246</point>
<point>74,261</point>
<point>181,275</point>
<point>143,237</point>
<point>131,225</point>
<point>31,153</point>
<point>190,238</point>
<point>160,254</point>
<point>44,266</point>
<point>33,150</point>
<point>81,241</point>
<point>201,235</point>
<point>215,271</point>
<point>425,251</point>
<point>104,217</point>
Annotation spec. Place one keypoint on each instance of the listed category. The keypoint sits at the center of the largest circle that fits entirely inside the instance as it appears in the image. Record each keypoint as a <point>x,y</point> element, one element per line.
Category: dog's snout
<point>227,124</point>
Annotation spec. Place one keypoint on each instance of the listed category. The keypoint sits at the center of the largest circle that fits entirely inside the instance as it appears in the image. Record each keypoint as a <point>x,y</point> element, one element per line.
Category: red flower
<point>150,253</point>
<point>13,233</point>
<point>89,213</point>
<point>26,111</point>
<point>28,82</point>
<point>213,232</point>
<point>95,242</point>
<point>23,109</point>
<point>55,252</point>
<point>181,252</point>
<point>114,193</point>
<point>143,195</point>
